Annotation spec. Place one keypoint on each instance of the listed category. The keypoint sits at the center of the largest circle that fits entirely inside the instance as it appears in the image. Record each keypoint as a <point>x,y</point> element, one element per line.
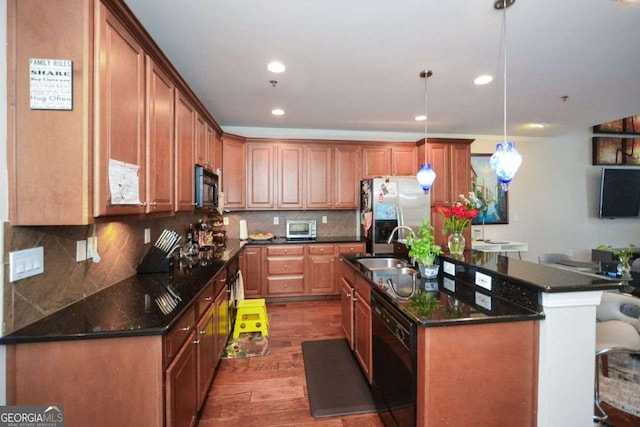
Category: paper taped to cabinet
<point>124,183</point>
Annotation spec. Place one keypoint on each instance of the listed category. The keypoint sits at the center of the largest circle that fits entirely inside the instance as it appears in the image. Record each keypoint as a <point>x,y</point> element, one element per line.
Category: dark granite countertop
<point>129,308</point>
<point>539,277</point>
<point>457,302</point>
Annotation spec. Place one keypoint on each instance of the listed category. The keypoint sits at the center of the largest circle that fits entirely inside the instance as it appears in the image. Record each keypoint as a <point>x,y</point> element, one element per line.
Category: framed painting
<point>616,151</point>
<point>494,202</point>
<point>628,125</point>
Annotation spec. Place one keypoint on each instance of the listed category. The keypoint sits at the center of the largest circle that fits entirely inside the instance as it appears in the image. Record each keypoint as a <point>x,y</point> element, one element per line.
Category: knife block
<point>155,261</point>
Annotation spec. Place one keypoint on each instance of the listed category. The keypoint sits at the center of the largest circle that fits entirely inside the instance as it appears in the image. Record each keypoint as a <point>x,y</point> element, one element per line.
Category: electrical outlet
<point>225,220</point>
<point>276,220</point>
<point>324,219</point>
<point>26,263</point>
<point>147,235</point>
<point>92,247</point>
<point>81,250</point>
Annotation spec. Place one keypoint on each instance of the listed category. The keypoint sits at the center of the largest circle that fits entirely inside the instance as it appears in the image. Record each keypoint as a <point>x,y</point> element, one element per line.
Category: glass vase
<point>624,268</point>
<point>456,242</point>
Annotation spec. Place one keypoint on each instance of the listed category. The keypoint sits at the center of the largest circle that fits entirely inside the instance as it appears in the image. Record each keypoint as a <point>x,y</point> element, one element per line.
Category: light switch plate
<point>26,263</point>
<point>147,235</point>
<point>276,220</point>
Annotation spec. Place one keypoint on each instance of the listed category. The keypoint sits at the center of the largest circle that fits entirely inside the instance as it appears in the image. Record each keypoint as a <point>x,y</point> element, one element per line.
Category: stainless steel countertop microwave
<point>302,229</point>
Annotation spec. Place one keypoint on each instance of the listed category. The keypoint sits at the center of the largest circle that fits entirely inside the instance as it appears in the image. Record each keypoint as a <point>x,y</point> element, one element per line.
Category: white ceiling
<point>354,64</point>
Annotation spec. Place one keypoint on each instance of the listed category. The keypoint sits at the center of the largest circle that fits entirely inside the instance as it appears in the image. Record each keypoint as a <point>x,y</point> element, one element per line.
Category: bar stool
<point>612,336</point>
<point>251,317</point>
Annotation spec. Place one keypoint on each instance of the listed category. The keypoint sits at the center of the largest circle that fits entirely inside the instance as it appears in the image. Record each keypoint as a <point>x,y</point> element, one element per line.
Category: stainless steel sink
<point>378,263</point>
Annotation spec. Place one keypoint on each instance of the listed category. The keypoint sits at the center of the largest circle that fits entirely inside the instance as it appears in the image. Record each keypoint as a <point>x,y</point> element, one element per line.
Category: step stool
<point>251,317</point>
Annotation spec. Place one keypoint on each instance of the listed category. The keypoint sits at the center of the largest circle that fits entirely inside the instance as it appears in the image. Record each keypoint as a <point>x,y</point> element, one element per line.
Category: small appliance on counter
<point>298,229</point>
<point>158,259</point>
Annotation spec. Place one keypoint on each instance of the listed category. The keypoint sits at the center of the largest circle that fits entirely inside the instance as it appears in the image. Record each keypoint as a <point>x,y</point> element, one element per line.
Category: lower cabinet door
<point>362,336</point>
<point>206,348</point>
<point>181,387</point>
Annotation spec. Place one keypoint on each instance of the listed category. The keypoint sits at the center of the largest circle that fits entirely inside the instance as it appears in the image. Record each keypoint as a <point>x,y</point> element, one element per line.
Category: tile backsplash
<point>121,248</point>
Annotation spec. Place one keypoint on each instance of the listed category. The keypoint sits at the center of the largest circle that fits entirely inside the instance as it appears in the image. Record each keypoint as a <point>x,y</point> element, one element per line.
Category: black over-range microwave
<point>206,191</point>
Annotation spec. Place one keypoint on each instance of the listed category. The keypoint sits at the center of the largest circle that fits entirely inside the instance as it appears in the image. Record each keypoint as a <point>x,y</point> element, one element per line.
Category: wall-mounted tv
<point>620,193</point>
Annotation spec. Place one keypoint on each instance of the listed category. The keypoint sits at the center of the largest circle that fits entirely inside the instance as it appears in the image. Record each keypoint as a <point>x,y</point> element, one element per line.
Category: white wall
<point>553,200</point>
<point>4,187</point>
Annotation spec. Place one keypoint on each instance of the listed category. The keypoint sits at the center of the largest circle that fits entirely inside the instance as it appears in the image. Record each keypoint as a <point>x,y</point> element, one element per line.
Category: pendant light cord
<point>426,118</point>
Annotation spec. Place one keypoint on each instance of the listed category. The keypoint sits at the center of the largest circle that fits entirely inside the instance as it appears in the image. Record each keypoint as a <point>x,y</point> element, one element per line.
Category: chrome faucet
<point>399,228</point>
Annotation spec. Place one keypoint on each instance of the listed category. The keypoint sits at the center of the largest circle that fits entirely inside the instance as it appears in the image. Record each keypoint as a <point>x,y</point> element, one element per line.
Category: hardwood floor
<point>271,390</point>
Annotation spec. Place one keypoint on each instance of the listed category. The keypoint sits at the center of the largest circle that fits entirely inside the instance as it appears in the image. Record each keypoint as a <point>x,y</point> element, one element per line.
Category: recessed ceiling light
<point>539,125</point>
<point>483,79</point>
<point>276,67</point>
<point>277,112</point>
<point>421,118</point>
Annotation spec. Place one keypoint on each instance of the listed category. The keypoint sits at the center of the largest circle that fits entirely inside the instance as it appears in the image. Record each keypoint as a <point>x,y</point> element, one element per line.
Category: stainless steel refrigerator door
<point>413,205</point>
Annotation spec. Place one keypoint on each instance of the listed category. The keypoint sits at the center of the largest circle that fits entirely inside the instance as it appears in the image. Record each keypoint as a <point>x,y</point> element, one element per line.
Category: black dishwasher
<point>394,359</point>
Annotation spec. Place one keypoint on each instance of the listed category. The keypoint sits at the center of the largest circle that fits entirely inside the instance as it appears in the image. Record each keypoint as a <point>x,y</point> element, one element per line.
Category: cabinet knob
<point>321,249</point>
<point>208,299</point>
<point>154,203</point>
<point>143,204</point>
<point>286,251</point>
<point>286,285</point>
<point>285,266</point>
<point>202,332</point>
<point>196,342</point>
<point>187,329</point>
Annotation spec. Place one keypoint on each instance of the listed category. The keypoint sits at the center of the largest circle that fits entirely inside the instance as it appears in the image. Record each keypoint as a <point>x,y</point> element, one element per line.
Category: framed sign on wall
<point>494,202</point>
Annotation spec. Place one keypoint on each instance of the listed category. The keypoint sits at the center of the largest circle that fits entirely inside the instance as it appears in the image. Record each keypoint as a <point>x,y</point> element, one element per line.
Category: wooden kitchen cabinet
<point>185,143</point>
<point>217,151</point>
<point>120,123</point>
<point>362,325</point>
<point>260,173</point>
<point>160,140</point>
<point>347,172</point>
<point>284,275</point>
<point>181,380</point>
<point>201,149</point>
<point>320,273</point>
<point>251,267</point>
<point>403,160</point>
<point>376,161</point>
<point>289,182</point>
<point>318,176</point>
<point>347,301</point>
<point>234,172</point>
<point>451,160</point>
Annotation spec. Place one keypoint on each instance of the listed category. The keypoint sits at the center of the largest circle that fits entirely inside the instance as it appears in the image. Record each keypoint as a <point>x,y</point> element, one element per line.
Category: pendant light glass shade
<point>425,177</point>
<point>505,162</point>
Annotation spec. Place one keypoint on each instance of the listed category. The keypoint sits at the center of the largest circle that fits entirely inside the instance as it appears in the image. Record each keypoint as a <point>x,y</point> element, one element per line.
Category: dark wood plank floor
<point>271,390</point>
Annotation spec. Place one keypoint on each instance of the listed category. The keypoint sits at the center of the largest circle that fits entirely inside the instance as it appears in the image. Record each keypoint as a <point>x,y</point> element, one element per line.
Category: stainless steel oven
<point>394,347</point>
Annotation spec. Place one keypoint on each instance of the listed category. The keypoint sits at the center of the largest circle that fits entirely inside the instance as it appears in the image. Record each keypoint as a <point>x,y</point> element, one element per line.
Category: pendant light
<point>506,160</point>
<point>425,175</point>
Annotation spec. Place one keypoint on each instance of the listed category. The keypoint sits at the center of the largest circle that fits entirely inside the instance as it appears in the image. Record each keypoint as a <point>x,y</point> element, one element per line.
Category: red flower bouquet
<point>459,216</point>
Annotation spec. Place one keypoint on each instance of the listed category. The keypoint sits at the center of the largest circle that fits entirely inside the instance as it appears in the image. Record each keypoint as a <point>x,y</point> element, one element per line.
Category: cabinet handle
<point>187,329</point>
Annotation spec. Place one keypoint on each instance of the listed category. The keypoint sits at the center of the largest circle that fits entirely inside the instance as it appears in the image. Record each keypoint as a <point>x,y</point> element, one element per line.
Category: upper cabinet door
<point>160,140</point>
<point>376,161</point>
<point>260,176</point>
<point>347,172</point>
<point>290,185</point>
<point>404,160</point>
<point>120,118</point>
<point>234,175</point>
<point>319,177</point>
<point>185,141</point>
<point>201,142</point>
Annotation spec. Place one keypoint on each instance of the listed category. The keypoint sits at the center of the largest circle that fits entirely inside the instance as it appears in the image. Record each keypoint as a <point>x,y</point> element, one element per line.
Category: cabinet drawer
<point>285,265</point>
<point>285,250</point>
<point>178,334</point>
<point>204,300</point>
<point>321,249</point>
<point>277,285</point>
<point>355,248</point>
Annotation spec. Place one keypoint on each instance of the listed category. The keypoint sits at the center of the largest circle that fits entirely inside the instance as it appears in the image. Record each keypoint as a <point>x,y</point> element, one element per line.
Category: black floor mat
<point>335,382</point>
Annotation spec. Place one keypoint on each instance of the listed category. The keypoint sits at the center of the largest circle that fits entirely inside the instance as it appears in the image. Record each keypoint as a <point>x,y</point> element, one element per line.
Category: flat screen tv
<point>620,193</point>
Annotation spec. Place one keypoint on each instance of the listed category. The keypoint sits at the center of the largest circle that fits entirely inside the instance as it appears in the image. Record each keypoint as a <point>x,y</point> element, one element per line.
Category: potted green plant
<point>423,249</point>
<point>624,256</point>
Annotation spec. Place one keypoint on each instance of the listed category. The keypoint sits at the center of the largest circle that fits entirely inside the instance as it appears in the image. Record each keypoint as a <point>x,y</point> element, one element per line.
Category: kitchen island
<point>522,346</point>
